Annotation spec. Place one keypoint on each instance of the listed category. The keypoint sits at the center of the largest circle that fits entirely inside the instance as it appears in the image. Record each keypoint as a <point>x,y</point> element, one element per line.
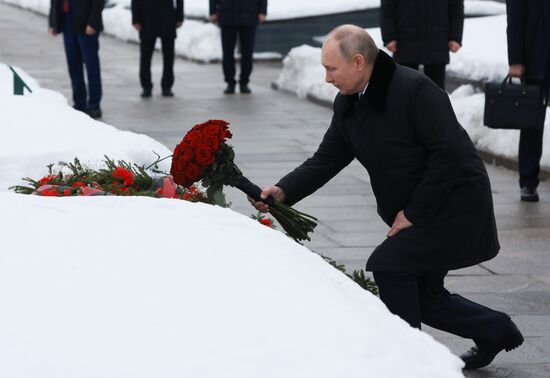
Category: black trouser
<point>246,36</point>
<point>147,48</point>
<point>421,297</point>
<point>436,72</point>
<point>530,151</point>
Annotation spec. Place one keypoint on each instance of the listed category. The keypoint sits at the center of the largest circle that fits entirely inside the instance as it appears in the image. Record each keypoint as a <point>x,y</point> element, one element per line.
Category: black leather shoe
<point>230,89</point>
<point>244,88</point>
<point>147,93</point>
<point>482,355</point>
<point>94,113</point>
<point>167,93</point>
<point>529,194</point>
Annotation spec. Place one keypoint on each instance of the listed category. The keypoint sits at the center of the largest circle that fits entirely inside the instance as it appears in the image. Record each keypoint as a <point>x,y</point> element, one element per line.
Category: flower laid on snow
<point>204,155</point>
<point>118,178</point>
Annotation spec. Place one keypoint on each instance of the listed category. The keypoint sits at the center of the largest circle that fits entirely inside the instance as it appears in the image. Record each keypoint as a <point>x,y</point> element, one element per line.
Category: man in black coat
<point>423,32</point>
<point>157,19</point>
<point>80,22</point>
<point>431,189</point>
<point>237,18</point>
<point>529,58</point>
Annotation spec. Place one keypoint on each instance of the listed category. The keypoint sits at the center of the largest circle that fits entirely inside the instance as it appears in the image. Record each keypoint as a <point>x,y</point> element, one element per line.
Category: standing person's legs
<point>529,154</point>
<point>89,45</point>
<point>436,72</point>
<point>168,64</point>
<point>247,35</point>
<point>75,65</point>
<point>399,292</point>
<point>147,46</point>
<point>229,41</point>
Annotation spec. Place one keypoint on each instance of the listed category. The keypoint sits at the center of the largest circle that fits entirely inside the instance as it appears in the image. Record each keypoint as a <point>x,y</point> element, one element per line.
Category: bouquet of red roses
<point>204,155</point>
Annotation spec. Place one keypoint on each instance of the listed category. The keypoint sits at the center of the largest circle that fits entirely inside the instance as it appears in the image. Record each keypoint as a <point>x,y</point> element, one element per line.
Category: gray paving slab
<point>273,133</point>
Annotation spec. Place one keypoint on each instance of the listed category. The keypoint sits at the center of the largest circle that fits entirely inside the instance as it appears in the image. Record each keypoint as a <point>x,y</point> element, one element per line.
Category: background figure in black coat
<point>423,32</point>
<point>238,18</point>
<point>430,186</point>
<point>80,22</point>
<point>529,58</point>
<point>157,19</point>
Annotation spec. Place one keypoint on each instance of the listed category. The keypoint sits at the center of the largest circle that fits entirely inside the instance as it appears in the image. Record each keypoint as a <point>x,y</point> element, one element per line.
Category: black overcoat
<point>158,18</point>
<point>85,12</point>
<point>422,28</point>
<point>238,12</point>
<point>420,160</point>
<point>528,34</point>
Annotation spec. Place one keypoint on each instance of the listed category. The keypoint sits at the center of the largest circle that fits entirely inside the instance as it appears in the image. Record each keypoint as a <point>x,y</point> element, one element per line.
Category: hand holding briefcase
<point>514,106</point>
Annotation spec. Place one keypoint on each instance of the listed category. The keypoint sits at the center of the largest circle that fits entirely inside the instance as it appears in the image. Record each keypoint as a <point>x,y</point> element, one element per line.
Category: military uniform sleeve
<point>179,11</point>
<point>95,15</point>
<point>262,7</point>
<point>136,12</point>
<point>214,5</point>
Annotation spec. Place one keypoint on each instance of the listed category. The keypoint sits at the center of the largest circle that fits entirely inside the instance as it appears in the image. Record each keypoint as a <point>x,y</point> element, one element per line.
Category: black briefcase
<point>514,106</point>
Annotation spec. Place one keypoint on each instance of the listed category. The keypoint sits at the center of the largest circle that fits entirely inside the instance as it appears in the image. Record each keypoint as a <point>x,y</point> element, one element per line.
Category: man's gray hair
<point>354,40</point>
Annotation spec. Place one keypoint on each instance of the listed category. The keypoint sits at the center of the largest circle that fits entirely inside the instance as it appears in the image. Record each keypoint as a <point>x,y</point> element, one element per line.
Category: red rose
<point>79,184</point>
<point>212,143</point>
<point>46,179</point>
<point>186,197</point>
<point>203,155</point>
<point>192,174</point>
<point>123,174</point>
<point>50,192</point>
<point>66,192</point>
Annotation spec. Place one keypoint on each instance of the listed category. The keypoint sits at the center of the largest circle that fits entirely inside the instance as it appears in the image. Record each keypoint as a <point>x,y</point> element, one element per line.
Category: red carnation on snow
<point>124,175</point>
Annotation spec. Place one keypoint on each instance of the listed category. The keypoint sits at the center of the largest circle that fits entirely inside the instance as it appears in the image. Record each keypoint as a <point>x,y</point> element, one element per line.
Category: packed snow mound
<point>40,128</point>
<point>141,287</point>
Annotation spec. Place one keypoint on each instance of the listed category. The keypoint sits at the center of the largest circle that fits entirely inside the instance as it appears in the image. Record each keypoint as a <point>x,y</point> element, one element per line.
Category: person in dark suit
<point>237,18</point>
<point>80,22</point>
<point>529,58</point>
<point>157,19</point>
<point>423,32</point>
<point>431,189</point>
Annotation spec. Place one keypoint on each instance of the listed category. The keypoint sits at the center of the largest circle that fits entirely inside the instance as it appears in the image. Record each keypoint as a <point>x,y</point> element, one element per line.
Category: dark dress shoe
<point>529,194</point>
<point>94,113</point>
<point>483,354</point>
<point>230,89</point>
<point>167,93</point>
<point>146,93</point>
<point>244,88</point>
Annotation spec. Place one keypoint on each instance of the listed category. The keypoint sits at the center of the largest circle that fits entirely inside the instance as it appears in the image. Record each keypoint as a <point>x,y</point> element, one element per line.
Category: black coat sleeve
<point>515,31</point>
<point>53,20</point>
<point>179,11</point>
<point>262,7</point>
<point>136,12</point>
<point>214,6</point>
<point>456,20</point>
<point>330,158</point>
<point>439,132</point>
<point>95,15</point>
<point>388,9</point>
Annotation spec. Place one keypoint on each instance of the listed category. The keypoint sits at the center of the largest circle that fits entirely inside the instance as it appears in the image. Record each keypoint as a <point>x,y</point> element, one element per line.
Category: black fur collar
<point>379,84</point>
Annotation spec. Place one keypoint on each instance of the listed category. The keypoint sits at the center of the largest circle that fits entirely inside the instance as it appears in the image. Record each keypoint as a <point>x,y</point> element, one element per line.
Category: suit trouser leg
<point>89,45</point>
<point>422,298</point>
<point>168,63</point>
<point>229,41</point>
<point>436,72</point>
<point>76,69</point>
<point>247,35</point>
<point>530,152</point>
<point>146,48</point>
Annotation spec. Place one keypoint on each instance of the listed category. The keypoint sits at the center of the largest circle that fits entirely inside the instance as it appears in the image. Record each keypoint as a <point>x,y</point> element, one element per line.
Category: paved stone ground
<point>274,132</point>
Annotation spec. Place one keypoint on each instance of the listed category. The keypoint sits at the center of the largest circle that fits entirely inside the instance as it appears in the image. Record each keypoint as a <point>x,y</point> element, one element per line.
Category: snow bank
<point>39,128</point>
